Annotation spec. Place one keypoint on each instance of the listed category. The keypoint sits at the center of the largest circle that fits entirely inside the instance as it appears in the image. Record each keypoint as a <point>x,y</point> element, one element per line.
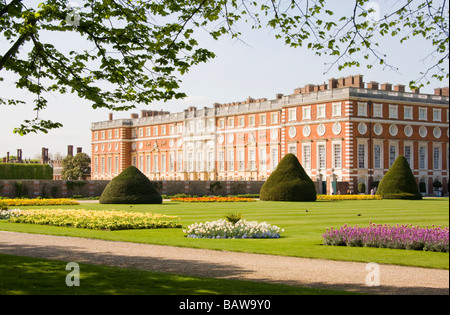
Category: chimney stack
<point>386,87</point>
<point>110,116</point>
<point>79,150</point>
<point>70,150</point>
<point>372,85</point>
<point>399,88</point>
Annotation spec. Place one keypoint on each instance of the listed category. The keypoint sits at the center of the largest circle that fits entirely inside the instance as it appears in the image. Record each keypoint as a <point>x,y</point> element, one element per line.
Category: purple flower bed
<point>434,239</point>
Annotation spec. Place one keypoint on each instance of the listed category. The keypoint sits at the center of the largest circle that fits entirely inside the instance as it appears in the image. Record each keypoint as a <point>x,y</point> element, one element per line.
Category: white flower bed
<point>6,214</point>
<point>242,229</point>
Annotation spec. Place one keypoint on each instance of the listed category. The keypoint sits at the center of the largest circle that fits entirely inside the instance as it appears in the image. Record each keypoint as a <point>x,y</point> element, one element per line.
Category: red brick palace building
<point>345,131</point>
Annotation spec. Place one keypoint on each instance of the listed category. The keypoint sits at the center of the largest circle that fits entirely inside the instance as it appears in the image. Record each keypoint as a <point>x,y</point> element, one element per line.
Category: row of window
<point>408,112</point>
<point>198,163</point>
<point>393,154</point>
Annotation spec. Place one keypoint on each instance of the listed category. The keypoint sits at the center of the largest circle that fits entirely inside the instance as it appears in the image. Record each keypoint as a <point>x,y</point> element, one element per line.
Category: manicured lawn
<point>303,229</point>
<point>31,276</point>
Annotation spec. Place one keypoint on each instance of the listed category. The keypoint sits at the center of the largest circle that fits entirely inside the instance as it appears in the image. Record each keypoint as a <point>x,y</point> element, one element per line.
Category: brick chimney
<point>332,83</point>
<point>441,91</point>
<point>79,150</point>
<point>372,85</point>
<point>399,88</point>
<point>278,96</point>
<point>358,81</point>
<point>70,150</point>
<point>348,81</point>
<point>309,88</point>
<point>134,116</point>
<point>415,91</point>
<point>386,87</point>
<point>111,116</point>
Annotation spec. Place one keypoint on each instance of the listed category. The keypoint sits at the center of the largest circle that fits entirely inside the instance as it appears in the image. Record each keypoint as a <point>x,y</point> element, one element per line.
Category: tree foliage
<point>75,167</point>
<point>137,49</point>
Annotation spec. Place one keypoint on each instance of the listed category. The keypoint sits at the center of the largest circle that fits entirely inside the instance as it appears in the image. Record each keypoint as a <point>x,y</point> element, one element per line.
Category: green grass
<point>303,230</point>
<point>31,276</point>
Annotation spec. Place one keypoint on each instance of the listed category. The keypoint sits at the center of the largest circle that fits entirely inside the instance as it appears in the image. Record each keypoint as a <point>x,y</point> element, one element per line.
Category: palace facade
<point>345,131</point>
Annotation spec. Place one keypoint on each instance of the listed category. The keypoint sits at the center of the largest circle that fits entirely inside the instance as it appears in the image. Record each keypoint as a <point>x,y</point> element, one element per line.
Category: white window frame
<point>425,157</point>
<point>148,168</point>
<point>231,160</point>
<point>292,114</point>
<point>362,109</point>
<point>424,110</point>
<point>292,148</point>
<point>221,123</point>
<point>116,165</point>
<point>337,109</point>
<point>306,113</point>
<point>231,122</point>
<point>319,156</point>
<point>335,145</point>
<point>392,160</point>
<point>405,111</point>
<point>306,160</point>
<point>252,159</point>
<point>241,160</point>
<point>274,118</point>
<point>393,111</point>
<point>274,158</point>
<point>380,156</point>
<point>241,121</point>
<point>321,111</point>
<point>263,159</point>
<point>362,158</point>
<point>411,153</point>
<point>262,119</point>
<point>437,163</point>
<point>252,120</point>
<point>378,108</point>
<point>437,114</point>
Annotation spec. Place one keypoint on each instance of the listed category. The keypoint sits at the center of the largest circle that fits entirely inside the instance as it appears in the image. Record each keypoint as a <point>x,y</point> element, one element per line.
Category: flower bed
<point>213,199</point>
<point>97,220</point>
<point>349,197</point>
<point>435,239</point>
<point>222,229</point>
<point>38,202</point>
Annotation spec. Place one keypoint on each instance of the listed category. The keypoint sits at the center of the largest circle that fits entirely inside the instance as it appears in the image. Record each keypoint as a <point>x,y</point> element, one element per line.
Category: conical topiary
<point>130,187</point>
<point>289,182</point>
<point>399,182</point>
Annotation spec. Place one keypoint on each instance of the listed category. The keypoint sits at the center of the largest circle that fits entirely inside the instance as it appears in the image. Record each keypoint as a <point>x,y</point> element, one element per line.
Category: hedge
<point>130,187</point>
<point>289,182</point>
<point>25,171</point>
<point>399,182</point>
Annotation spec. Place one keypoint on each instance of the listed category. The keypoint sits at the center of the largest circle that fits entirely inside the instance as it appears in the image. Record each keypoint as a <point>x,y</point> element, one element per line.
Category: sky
<point>258,66</point>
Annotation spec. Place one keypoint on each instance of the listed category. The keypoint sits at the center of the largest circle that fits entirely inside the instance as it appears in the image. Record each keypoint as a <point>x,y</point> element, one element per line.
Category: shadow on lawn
<point>107,284</point>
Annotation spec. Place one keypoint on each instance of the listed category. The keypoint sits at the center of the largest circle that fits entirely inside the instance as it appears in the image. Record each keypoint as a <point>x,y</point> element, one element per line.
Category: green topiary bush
<point>289,182</point>
<point>399,182</point>
<point>130,187</point>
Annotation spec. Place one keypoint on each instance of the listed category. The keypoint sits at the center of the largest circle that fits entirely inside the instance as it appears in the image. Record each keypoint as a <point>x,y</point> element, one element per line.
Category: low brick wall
<point>94,188</point>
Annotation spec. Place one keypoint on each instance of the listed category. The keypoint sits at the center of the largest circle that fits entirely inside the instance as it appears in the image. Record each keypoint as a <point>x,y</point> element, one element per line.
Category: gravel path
<point>317,273</point>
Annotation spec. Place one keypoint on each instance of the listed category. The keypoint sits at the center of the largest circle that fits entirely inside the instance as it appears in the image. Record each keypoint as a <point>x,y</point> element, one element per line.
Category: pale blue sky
<point>260,67</point>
